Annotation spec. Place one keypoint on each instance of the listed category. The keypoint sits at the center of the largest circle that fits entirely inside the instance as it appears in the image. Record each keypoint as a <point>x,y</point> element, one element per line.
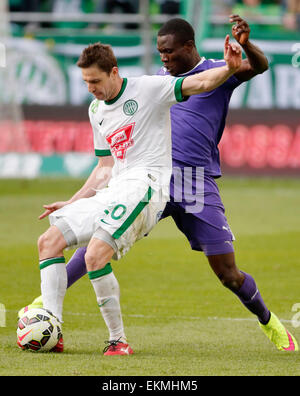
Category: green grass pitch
<point>179,319</point>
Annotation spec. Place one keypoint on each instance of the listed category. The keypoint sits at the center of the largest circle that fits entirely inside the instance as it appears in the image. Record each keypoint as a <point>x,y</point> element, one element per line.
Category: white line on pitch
<point>141,316</point>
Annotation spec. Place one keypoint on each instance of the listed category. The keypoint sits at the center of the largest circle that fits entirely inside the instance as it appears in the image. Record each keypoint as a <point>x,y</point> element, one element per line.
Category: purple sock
<point>251,298</point>
<point>76,267</point>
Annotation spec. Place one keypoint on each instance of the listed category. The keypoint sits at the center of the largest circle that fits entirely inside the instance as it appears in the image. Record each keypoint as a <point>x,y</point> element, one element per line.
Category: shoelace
<point>112,343</point>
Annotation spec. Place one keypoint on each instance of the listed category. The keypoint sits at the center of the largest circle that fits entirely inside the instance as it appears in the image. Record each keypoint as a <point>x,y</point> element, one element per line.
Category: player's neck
<point>117,89</point>
<point>192,65</point>
<point>195,61</point>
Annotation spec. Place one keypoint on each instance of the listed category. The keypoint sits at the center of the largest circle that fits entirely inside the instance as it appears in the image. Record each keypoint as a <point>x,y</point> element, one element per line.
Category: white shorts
<point>126,210</point>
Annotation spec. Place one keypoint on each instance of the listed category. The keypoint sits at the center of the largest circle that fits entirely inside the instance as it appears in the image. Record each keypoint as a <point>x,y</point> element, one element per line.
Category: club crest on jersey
<point>120,140</point>
<point>130,107</point>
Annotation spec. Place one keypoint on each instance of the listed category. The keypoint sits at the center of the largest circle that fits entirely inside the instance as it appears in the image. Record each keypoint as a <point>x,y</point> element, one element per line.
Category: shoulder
<point>152,82</point>
<point>155,77</point>
<point>212,63</point>
<point>135,82</point>
<point>203,65</point>
<point>231,83</point>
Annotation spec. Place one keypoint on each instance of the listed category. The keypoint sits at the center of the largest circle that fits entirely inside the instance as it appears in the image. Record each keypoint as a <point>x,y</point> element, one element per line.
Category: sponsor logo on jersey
<point>120,140</point>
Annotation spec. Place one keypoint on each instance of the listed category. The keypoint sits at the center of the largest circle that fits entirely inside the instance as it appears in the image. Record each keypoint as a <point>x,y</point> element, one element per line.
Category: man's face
<point>176,57</point>
<point>99,83</point>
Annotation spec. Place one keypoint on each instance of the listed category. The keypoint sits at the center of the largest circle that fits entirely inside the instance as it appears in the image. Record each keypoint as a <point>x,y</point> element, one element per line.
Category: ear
<point>190,44</point>
<point>114,71</point>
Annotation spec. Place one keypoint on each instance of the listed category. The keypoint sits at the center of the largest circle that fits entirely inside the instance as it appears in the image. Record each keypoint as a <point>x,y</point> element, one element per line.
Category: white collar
<point>199,63</point>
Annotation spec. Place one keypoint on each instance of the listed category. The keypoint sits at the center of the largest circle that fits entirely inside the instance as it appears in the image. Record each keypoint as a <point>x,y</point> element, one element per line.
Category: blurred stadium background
<point>44,127</point>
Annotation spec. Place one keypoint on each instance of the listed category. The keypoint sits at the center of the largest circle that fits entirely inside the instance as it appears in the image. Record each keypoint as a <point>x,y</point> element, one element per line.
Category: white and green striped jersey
<point>135,126</point>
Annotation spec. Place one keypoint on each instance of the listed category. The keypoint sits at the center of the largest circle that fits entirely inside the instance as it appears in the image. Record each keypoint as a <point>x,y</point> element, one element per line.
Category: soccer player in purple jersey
<point>197,128</point>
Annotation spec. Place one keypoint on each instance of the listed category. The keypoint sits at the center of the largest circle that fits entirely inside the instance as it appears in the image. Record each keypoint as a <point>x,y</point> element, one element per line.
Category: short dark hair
<point>100,54</point>
<point>180,28</point>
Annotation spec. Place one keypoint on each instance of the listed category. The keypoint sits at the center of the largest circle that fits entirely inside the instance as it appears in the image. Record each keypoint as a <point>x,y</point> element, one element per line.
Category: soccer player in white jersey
<point>132,138</point>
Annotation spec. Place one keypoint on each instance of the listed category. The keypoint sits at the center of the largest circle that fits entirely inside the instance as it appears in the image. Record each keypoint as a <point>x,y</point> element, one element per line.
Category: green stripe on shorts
<point>137,210</point>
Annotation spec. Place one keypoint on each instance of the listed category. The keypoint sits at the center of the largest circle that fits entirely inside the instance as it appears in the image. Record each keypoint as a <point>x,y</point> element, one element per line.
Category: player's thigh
<point>79,220</point>
<point>207,231</point>
<point>131,215</point>
<point>224,266</point>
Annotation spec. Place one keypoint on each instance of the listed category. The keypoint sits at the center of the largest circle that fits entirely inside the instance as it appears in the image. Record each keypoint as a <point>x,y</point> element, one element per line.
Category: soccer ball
<point>38,330</point>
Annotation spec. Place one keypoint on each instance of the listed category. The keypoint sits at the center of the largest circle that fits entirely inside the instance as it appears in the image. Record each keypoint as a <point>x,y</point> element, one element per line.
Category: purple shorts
<point>208,229</point>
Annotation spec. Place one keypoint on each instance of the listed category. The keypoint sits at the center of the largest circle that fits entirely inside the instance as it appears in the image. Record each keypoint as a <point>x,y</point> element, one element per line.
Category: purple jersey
<point>195,203</point>
<point>198,123</point>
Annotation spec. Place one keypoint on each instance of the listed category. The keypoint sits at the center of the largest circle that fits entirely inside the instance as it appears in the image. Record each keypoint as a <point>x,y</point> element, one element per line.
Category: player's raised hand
<point>232,55</point>
<point>51,208</point>
<point>240,30</point>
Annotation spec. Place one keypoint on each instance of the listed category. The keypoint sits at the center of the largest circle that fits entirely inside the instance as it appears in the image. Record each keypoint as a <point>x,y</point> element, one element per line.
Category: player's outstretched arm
<point>256,62</point>
<point>49,208</point>
<point>212,78</point>
<point>97,180</point>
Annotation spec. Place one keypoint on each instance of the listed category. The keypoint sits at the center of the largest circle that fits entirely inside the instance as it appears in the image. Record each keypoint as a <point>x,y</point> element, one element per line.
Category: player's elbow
<point>266,67</point>
<point>202,86</point>
<point>206,86</point>
<point>263,67</point>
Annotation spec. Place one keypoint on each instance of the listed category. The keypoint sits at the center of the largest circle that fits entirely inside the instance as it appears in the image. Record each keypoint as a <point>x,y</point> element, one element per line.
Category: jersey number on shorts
<point>120,140</point>
<point>116,214</point>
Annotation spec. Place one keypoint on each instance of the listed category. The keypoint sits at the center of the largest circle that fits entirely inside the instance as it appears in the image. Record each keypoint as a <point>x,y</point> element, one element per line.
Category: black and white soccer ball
<point>38,330</point>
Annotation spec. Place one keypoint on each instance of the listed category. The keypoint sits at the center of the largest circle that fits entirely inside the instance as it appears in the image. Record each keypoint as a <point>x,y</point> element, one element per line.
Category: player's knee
<point>43,242</point>
<point>90,261</point>
<point>93,261</point>
<point>51,243</point>
<point>232,280</point>
<point>98,254</point>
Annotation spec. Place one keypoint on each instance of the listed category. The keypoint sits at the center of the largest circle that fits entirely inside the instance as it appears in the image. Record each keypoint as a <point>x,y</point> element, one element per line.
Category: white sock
<point>53,284</point>
<point>107,292</point>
